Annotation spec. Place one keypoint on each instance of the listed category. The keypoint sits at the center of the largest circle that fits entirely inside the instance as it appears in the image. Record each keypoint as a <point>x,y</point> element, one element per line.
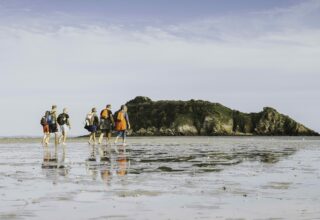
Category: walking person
<point>52,121</point>
<point>122,124</point>
<point>92,123</point>
<point>45,127</point>
<point>106,124</point>
<point>65,126</point>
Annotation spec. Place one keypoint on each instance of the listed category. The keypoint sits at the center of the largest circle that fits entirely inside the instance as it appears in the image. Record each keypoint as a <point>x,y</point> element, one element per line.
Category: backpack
<point>61,119</point>
<point>86,124</point>
<point>43,121</point>
<point>104,114</point>
<point>89,119</point>
<point>49,119</point>
<point>95,121</point>
<point>115,116</point>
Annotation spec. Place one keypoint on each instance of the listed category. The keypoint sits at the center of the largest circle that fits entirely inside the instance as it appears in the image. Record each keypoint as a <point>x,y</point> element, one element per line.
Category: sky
<point>81,54</point>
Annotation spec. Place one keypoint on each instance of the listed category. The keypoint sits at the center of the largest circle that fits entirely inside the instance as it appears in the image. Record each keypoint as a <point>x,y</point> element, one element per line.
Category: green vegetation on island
<point>197,117</point>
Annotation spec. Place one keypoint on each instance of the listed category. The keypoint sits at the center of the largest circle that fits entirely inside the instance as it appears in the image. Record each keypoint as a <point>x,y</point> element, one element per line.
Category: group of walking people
<point>105,125</point>
<point>51,123</point>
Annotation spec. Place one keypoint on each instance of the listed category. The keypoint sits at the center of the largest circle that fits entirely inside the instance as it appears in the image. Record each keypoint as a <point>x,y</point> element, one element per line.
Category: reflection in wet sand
<point>53,164</point>
<point>198,160</point>
<point>107,163</point>
<point>165,178</point>
<point>193,160</point>
<point>122,163</point>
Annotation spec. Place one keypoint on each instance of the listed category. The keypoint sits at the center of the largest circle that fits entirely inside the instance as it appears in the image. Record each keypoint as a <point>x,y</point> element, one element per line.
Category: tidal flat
<point>162,178</point>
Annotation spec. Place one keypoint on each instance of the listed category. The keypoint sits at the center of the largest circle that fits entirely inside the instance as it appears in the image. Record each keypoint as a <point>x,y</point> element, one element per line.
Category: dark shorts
<point>106,131</point>
<point>92,128</point>
<point>105,126</point>
<point>53,128</point>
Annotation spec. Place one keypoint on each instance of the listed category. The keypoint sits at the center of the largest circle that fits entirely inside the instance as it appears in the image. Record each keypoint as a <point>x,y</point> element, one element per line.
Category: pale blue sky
<point>144,9</point>
<point>78,54</point>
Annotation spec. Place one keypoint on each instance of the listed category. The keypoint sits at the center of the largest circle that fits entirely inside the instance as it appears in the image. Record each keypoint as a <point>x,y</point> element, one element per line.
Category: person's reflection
<point>63,169</point>
<point>52,164</point>
<point>106,175</point>
<point>92,156</point>
<point>91,165</point>
<point>105,171</point>
<point>46,155</point>
<point>102,161</point>
<point>122,162</point>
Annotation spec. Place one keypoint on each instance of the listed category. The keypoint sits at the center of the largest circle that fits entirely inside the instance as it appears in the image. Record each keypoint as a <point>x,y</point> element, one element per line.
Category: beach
<point>162,178</point>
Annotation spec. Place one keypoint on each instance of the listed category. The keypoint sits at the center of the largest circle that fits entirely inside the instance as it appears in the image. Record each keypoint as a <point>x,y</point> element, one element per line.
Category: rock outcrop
<point>197,117</point>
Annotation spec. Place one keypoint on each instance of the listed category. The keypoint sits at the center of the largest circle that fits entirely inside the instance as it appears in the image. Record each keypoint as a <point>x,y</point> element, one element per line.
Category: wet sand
<point>162,178</point>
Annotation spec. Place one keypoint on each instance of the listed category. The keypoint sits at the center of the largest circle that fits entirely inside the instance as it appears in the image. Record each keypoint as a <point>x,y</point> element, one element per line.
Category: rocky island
<point>203,118</point>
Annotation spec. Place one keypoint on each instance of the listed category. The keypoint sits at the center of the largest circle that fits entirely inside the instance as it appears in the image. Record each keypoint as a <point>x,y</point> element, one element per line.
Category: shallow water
<point>162,178</point>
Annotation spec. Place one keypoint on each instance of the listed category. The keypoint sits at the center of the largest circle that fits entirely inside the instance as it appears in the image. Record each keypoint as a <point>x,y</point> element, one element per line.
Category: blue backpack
<point>50,120</point>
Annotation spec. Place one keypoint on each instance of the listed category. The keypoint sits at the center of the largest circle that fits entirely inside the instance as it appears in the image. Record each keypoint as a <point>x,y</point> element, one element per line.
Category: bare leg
<point>56,139</point>
<point>100,138</point>
<point>116,149</point>
<point>48,138</point>
<point>94,138</point>
<point>44,138</point>
<point>60,138</point>
<point>124,138</point>
<point>116,140</point>
<point>64,137</point>
<point>90,138</point>
<point>108,137</point>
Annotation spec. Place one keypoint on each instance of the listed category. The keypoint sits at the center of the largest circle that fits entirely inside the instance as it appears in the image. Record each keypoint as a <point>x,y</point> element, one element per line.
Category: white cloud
<point>232,60</point>
<point>249,26</point>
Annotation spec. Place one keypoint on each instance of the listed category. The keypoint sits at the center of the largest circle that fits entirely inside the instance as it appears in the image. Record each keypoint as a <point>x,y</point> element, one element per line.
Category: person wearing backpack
<point>64,123</point>
<point>45,127</point>
<point>52,121</point>
<point>106,123</point>
<point>92,124</point>
<point>122,124</point>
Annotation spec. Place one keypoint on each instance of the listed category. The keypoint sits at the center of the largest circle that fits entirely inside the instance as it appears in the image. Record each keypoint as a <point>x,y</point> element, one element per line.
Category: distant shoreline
<point>186,136</point>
